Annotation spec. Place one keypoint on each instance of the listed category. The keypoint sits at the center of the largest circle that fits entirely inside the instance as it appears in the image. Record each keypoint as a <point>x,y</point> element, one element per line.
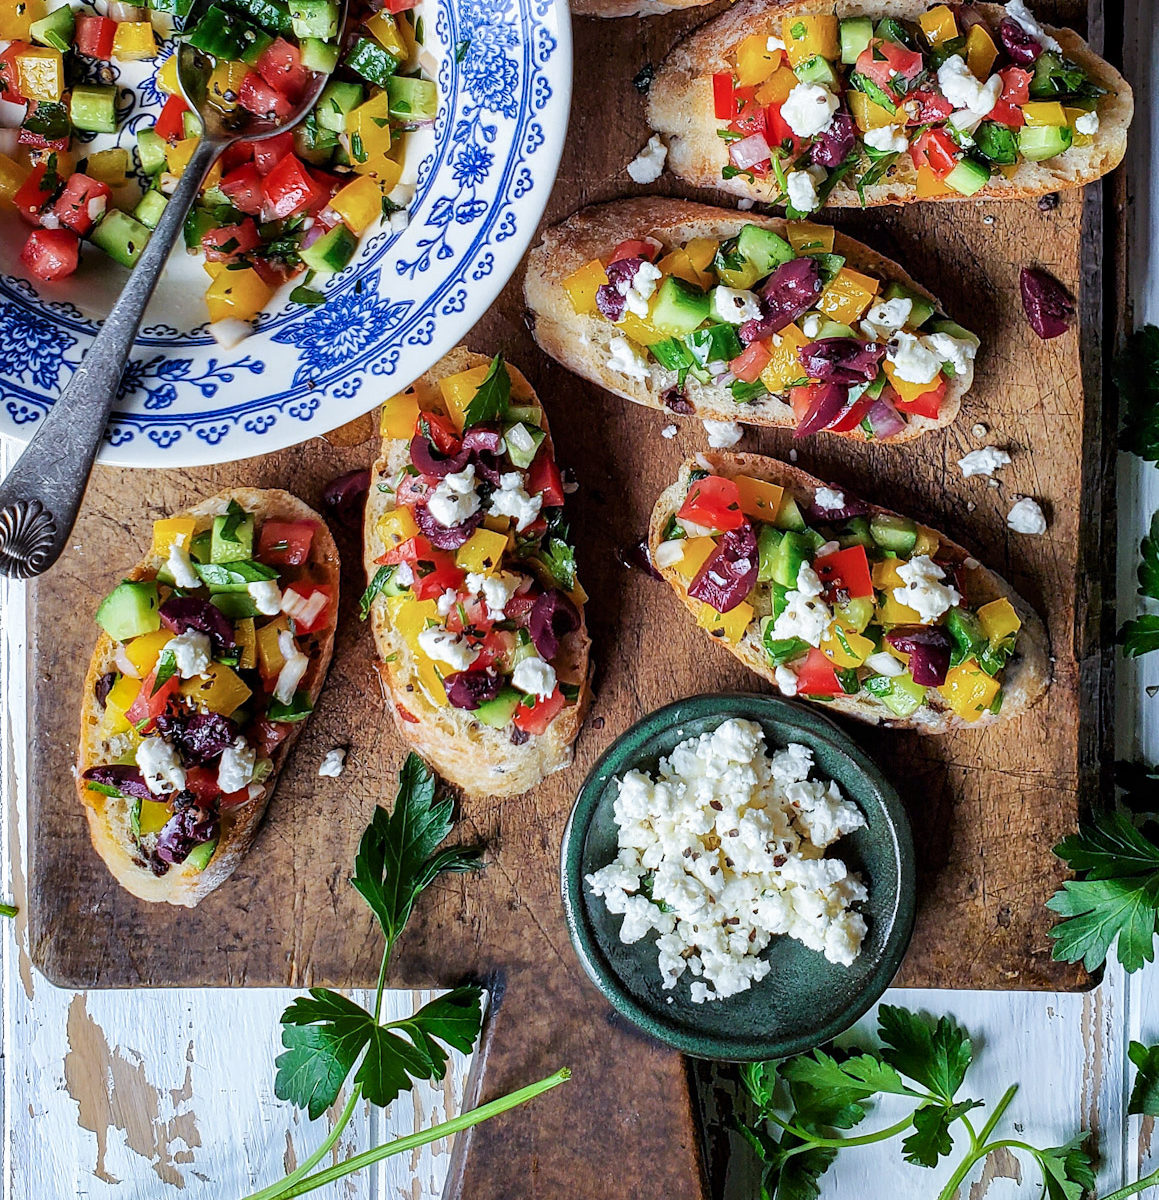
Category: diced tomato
<point>37,141</point>
<point>220,245</point>
<point>409,551</point>
<point>778,133</point>
<point>202,782</point>
<point>845,570</point>
<point>412,490</point>
<point>1007,114</point>
<point>714,503</point>
<point>882,59</point>
<point>10,72</point>
<point>470,613</point>
<point>268,152</point>
<point>544,479</point>
<point>93,36</point>
<point>273,272</point>
<point>80,204</point>
<point>928,403</point>
<point>932,107</point>
<point>852,416</point>
<point>536,719</point>
<point>520,604</point>
<point>298,592</point>
<point>750,115</point>
<point>236,154</point>
<point>439,430</point>
<point>243,186</point>
<point>51,253</point>
<point>268,735</point>
<point>280,65</point>
<point>723,102</point>
<point>1015,85</point>
<point>257,96</point>
<point>289,189</point>
<point>749,364</point>
<point>634,248</point>
<point>171,123</point>
<point>397,6</point>
<point>801,400</point>
<point>935,149</point>
<point>285,543</point>
<point>33,194</point>
<point>816,676</point>
<point>434,583</point>
<point>150,704</point>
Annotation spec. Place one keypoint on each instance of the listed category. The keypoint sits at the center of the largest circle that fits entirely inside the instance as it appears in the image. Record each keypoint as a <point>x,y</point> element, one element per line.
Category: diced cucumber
<point>945,325</point>
<point>199,222</point>
<point>856,613</point>
<point>151,151</point>
<point>288,714</point>
<point>271,15</point>
<point>904,697</point>
<point>732,268</point>
<point>891,30</point>
<point>817,70</point>
<point>199,547</point>
<point>499,711</point>
<point>523,443</point>
<point>121,237</point>
<point>921,309</point>
<point>968,177</point>
<point>966,630</point>
<point>856,33</point>
<point>1055,77</point>
<point>679,306</point>
<point>318,55</point>
<point>338,98</point>
<point>763,248</point>
<point>717,343</point>
<point>179,8</point>
<point>238,546</point>
<point>768,540</point>
<point>236,605</point>
<point>411,99</point>
<point>93,107</point>
<point>368,59</point>
<point>1039,142</point>
<point>856,533</point>
<point>222,34</point>
<point>130,609</point>
<point>789,515</point>
<point>314,19</point>
<point>149,208</point>
<point>834,329</point>
<point>894,533</point>
<point>529,414</point>
<point>56,29</point>
<point>792,552</point>
<point>331,252</point>
<point>314,144</point>
<point>996,143</point>
<point>190,124</point>
<point>198,858</point>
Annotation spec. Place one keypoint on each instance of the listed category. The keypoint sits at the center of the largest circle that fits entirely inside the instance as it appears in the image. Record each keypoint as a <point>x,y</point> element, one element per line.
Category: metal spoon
<point>40,496</point>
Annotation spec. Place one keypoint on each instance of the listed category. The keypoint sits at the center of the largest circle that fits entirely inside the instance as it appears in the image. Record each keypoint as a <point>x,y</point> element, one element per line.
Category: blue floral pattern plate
<point>481,177</point>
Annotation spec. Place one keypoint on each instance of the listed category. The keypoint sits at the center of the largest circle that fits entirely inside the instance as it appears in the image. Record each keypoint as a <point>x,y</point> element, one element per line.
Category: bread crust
<point>108,819</point>
<point>1027,675</point>
<point>680,108</point>
<point>472,756</point>
<point>582,343</point>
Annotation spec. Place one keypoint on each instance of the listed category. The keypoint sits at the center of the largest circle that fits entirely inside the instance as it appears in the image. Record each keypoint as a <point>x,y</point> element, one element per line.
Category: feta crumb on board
<point>723,434</point>
<point>669,432</point>
<point>1026,517</point>
<point>334,763</point>
<point>722,851</point>
<point>983,462</point>
<point>648,165</point>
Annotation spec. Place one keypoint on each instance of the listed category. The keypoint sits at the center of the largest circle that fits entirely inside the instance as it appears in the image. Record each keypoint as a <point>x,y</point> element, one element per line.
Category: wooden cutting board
<point>986,806</point>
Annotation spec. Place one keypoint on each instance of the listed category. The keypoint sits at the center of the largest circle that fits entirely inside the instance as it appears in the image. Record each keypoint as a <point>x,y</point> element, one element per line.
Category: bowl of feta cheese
<point>738,877</point>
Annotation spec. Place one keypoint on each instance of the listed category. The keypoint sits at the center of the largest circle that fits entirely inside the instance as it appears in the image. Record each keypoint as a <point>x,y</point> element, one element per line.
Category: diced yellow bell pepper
<point>41,73</point>
<point>134,40</point>
<point>755,62</point>
<point>808,238</point>
<point>907,391</point>
<point>806,36</point>
<point>431,680</point>
<point>639,330</point>
<point>928,184</point>
<point>679,264</point>
<point>701,252</point>
<point>758,499</point>
<point>410,617</point>
<point>270,654</point>
<point>384,29</point>
<point>154,815</point>
<point>928,542</point>
<point>396,526</point>
<point>848,296</point>
<point>730,625</point>
<point>846,649</point>
<point>577,595</point>
<point>369,123</point>
<point>119,701</point>
<point>776,89</point>
<point>1078,139</point>
<point>144,651</point>
<point>359,203</point>
<point>696,550</point>
<point>869,115</point>
<point>885,576</point>
<point>109,166</point>
<point>583,283</point>
<point>980,52</point>
<point>12,177</point>
<point>238,294</point>
<point>889,610</point>
<point>399,415</point>
<point>482,552</point>
<point>785,366</point>
<point>168,529</point>
<point>969,690</point>
<point>223,85</point>
<point>167,76</point>
<point>178,154</point>
<point>459,390</point>
<point>938,24</point>
<point>1044,112</point>
<point>16,17</point>
<point>213,269</point>
<point>245,634</point>
<point>497,524</point>
<point>999,620</point>
<point>221,690</point>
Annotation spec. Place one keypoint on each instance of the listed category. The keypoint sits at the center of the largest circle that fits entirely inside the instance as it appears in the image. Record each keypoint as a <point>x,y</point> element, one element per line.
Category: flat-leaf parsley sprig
<point>328,1036</point>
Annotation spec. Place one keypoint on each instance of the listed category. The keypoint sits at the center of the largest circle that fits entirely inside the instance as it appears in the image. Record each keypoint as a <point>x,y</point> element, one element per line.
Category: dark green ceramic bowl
<point>805,1000</point>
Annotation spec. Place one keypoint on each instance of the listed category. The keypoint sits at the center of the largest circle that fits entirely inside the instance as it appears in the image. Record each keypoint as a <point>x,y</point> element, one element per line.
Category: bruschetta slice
<point>472,592</point>
<point>813,103</point>
<point>837,600</point>
<point>212,654</point>
<point>736,317</point>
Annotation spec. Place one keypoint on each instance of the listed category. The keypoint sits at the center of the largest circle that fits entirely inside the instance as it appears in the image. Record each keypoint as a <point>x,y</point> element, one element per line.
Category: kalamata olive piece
<point>181,613</point>
<point>1018,44</point>
<point>469,689</point>
<point>341,495</point>
<point>788,292</point>
<point>445,537</point>
<point>832,145</point>
<point>1047,304</point>
<point>104,686</point>
<point>189,826</point>
<point>730,571</point>
<point>127,780</point>
<point>552,617</point>
<point>928,647</point>
<point>430,462</point>
<point>827,405</point>
<point>842,360</point>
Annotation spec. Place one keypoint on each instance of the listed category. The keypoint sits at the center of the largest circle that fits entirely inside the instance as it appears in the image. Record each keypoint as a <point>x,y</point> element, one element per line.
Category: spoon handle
<point>40,496</point>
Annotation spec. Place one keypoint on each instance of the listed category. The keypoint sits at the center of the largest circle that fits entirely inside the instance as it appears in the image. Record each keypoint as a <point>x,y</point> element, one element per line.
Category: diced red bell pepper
<point>713,502</point>
<point>289,188</point>
<point>536,719</point>
<point>434,583</point>
<point>750,114</point>
<point>845,570</point>
<point>397,6</point>
<point>37,141</point>
<point>544,479</point>
<point>257,96</point>
<point>34,193</point>
<point>150,704</point>
<point>285,543</point>
<point>749,364</point>
<point>408,551</point>
<point>10,72</point>
<point>171,122</point>
<point>816,676</point>
<point>220,245</point>
<point>1007,114</point>
<point>79,206</point>
<point>932,107</point>
<point>439,430</point>
<point>243,186</point>
<point>633,248</point>
<point>51,253</point>
<point>935,149</point>
<point>927,404</point>
<point>852,416</point>
<point>307,592</point>
<point>268,152</point>
<point>778,133</point>
<point>1015,85</point>
<point>94,36</point>
<point>280,65</point>
<point>723,101</point>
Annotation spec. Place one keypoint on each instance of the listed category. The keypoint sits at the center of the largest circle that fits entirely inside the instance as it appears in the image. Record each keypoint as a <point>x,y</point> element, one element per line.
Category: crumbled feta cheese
<point>802,190</point>
<point>267,597</point>
<point>1026,517</point>
<point>808,109</point>
<point>404,574</point>
<point>828,499</point>
<point>180,565</point>
<point>1017,11</point>
<point>160,766</point>
<point>983,462</point>
<point>627,360</point>
<point>510,499</point>
<point>811,325</point>
<point>648,165</point>
<point>723,434</point>
<point>721,851</point>
<point>958,352</point>
<point>887,139</point>
<point>292,671</point>
<point>192,653</point>
<point>669,432</point>
<point>924,590</point>
<point>236,768</point>
<point>441,645</point>
<point>668,554</point>
<point>1087,124</point>
<point>805,615</point>
<point>786,679</point>
<point>496,590</point>
<point>638,290</point>
<point>885,318</point>
<point>912,359</point>
<point>399,220</point>
<point>447,601</point>
<point>455,498</point>
<point>884,663</point>
<point>334,763</point>
<point>535,677</point>
<point>734,305</point>
<point>961,87</point>
<point>773,44</point>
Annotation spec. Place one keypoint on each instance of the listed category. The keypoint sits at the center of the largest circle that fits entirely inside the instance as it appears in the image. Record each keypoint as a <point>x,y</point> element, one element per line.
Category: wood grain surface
<point>986,807</point>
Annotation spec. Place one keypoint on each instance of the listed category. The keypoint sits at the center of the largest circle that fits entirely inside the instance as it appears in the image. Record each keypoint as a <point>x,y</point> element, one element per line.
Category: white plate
<point>482,180</point>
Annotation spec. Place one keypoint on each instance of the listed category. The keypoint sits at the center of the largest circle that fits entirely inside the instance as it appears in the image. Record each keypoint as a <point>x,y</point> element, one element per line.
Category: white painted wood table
<point>120,1095</point>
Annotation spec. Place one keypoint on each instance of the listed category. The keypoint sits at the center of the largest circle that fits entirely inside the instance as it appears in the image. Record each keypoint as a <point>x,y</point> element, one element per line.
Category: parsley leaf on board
<point>1140,636</point>
<point>1068,1173</point>
<point>1136,374</point>
<point>938,1058</point>
<point>1149,561</point>
<point>1145,1094</point>
<point>860,1073</point>
<point>491,400</point>
<point>931,1138</point>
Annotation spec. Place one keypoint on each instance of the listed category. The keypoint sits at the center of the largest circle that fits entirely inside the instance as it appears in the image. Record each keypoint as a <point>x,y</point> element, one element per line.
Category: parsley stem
<point>1133,1189</point>
<point>423,1137</point>
<point>8,910</point>
<point>999,1109</point>
<point>981,1151</point>
<point>866,1139</point>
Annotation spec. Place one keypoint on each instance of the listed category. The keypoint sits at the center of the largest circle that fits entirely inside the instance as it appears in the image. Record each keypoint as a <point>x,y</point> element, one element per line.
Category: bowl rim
<point>765,709</point>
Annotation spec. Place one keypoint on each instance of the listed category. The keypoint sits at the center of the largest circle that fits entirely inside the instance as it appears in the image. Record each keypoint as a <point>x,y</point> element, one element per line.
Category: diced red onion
<point>928,647</point>
<point>827,406</point>
<point>884,419</point>
<point>750,151</point>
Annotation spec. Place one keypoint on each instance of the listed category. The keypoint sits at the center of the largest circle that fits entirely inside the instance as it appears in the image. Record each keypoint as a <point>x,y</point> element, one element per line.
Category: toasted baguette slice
<point>582,342</point>
<point>1026,675</point>
<point>680,107</point>
<point>110,817</point>
<point>480,759</point>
